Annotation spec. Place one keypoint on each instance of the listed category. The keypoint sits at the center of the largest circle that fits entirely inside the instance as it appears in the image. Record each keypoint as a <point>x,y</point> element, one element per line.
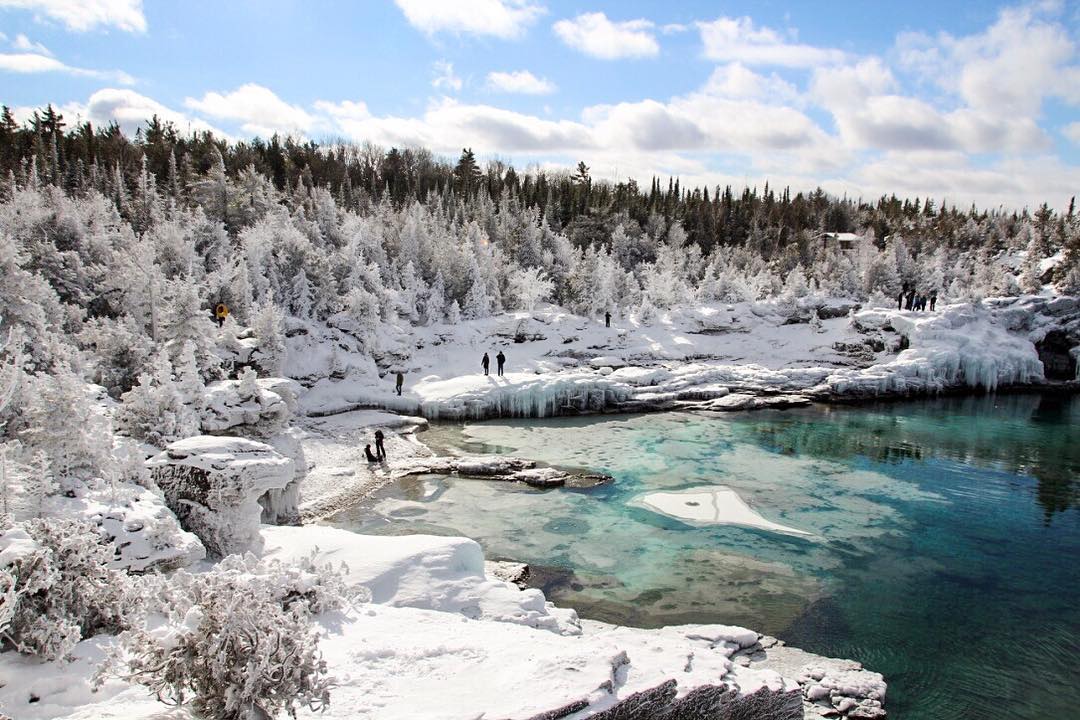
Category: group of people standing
<point>911,299</point>
<point>485,362</point>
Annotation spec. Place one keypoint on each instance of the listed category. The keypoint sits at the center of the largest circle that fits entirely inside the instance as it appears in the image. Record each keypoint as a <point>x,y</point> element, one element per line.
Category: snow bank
<point>213,484</point>
<point>420,571</point>
<point>263,413</point>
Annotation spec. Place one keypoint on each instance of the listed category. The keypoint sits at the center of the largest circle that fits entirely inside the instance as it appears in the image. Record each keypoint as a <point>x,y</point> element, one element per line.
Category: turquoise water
<point>945,546</point>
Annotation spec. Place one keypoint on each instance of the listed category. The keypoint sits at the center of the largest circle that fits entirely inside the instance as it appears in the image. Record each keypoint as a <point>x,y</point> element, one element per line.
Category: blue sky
<point>968,102</point>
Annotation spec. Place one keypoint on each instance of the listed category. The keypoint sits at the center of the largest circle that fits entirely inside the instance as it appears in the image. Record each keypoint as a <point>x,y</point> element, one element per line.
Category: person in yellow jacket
<point>221,311</point>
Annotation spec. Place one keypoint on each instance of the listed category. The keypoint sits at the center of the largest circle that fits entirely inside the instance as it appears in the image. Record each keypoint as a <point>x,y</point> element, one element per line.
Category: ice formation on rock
<point>213,484</point>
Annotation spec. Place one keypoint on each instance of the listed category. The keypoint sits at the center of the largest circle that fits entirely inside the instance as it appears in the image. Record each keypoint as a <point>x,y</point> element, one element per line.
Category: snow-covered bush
<point>269,327</point>
<point>154,410</point>
<point>62,423</point>
<point>238,642</point>
<point>530,286</point>
<point>56,587</point>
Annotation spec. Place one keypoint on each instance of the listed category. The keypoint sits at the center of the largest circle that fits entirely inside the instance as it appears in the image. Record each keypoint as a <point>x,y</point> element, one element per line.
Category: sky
<point>965,102</point>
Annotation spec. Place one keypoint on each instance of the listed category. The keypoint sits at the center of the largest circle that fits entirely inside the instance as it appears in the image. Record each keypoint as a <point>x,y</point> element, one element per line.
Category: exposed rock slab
<point>499,467</point>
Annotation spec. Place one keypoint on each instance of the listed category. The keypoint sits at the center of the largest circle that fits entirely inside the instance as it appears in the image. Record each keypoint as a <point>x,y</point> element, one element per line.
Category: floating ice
<point>710,505</point>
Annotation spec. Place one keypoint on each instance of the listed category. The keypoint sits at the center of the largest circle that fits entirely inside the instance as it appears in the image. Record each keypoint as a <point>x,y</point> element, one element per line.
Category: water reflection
<point>1005,432</point>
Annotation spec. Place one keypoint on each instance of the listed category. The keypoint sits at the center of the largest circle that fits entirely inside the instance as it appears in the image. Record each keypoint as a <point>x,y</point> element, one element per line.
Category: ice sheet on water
<point>715,505</point>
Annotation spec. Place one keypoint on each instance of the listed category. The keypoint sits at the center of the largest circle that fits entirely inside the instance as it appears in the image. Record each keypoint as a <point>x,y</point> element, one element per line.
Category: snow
<point>961,346</point>
<point>715,505</point>
<point>227,409</point>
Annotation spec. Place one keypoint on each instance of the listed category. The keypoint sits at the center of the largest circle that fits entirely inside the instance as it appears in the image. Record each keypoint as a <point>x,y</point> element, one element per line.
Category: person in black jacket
<point>607,319</point>
<point>484,363</point>
<point>380,451</point>
<point>501,359</point>
<point>367,453</point>
<point>400,381</point>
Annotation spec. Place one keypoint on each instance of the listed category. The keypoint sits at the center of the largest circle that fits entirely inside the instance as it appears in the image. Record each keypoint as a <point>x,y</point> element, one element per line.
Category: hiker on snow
<point>501,359</point>
<point>607,318</point>
<point>484,363</point>
<point>367,452</point>
<point>400,381</point>
<point>380,451</point>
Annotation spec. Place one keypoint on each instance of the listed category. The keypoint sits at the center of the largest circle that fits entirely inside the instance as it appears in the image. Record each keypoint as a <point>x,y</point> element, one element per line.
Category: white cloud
<point>1072,132</point>
<point>951,176</point>
<point>130,111</point>
<point>499,18</point>
<point>738,40</point>
<point>448,125</point>
<point>25,44</point>
<point>83,15</point>
<point>737,81</point>
<point>1010,68</point>
<point>257,108</point>
<point>519,81</point>
<point>29,63</point>
<point>445,77</point>
<point>595,35</point>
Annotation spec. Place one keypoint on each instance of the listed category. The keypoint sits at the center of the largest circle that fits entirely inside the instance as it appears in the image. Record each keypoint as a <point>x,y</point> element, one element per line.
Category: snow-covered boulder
<point>213,484</point>
<point>145,534</point>
<point>251,409</point>
<point>421,571</point>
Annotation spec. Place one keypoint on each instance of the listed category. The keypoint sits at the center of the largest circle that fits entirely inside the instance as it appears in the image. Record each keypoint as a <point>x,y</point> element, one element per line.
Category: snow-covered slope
<point>566,364</point>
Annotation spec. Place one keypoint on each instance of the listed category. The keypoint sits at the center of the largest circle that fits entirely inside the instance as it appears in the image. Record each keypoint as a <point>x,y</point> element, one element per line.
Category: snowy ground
<point>338,473</point>
<point>437,622</point>
<point>442,640</point>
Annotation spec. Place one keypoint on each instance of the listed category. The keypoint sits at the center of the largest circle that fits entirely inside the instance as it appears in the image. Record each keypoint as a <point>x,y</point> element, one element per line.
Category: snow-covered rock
<point>421,571</point>
<point>146,535</point>
<point>258,411</point>
<point>213,484</point>
<point>961,346</point>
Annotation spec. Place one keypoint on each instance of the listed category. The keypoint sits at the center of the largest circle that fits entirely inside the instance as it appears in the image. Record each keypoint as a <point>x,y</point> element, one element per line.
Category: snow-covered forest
<point>115,250</point>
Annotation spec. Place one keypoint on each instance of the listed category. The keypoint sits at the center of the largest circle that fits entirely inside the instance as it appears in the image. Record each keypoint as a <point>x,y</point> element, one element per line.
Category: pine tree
<point>466,172</point>
<point>269,328</point>
<point>188,321</point>
<point>435,305</point>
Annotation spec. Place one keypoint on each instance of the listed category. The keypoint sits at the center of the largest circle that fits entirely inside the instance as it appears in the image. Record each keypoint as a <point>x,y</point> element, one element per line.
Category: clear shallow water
<point>945,549</point>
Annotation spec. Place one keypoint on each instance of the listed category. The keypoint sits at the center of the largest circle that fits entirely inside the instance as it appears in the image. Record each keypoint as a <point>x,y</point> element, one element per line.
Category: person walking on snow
<point>484,363</point>
<point>380,451</point>
<point>400,381</point>
<point>501,359</point>
<point>607,319</point>
<point>900,297</point>
<point>933,299</point>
